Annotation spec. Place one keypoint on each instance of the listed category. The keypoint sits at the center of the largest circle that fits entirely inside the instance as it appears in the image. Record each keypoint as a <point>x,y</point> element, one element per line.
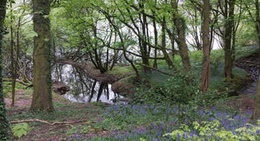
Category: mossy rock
<point>125,86</point>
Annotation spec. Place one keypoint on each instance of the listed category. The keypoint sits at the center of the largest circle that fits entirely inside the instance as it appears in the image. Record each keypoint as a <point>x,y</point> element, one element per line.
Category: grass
<point>121,70</point>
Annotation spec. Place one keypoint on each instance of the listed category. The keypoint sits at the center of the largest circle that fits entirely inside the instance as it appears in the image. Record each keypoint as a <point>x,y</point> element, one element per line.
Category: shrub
<point>177,89</point>
<point>213,130</point>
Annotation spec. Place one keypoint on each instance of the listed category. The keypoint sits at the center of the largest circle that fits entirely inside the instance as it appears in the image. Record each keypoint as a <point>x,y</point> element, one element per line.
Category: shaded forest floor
<point>53,126</point>
<point>70,117</point>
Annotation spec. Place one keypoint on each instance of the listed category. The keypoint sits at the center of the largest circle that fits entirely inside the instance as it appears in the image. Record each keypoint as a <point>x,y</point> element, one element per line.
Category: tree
<point>227,36</point>
<point>42,96</point>
<point>3,121</point>
<point>226,13</point>
<point>206,46</point>
<point>179,24</point>
<point>13,64</point>
<point>256,114</point>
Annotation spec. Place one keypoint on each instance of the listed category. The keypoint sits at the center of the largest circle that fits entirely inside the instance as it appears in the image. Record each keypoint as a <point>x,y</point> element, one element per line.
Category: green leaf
<point>20,129</point>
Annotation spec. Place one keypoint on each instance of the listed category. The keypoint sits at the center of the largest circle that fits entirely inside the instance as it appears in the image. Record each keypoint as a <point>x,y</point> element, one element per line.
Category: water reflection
<point>82,88</point>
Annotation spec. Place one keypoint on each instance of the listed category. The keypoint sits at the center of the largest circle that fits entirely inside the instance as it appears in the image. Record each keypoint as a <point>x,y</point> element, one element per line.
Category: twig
<point>46,122</point>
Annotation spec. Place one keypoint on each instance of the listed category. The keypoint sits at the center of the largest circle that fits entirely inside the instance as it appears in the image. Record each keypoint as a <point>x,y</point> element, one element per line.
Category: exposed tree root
<point>27,84</point>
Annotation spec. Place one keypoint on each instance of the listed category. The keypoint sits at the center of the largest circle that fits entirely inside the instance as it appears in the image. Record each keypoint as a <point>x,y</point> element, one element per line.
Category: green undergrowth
<point>246,51</point>
<point>7,87</point>
<point>122,70</point>
<point>179,103</point>
<point>63,112</point>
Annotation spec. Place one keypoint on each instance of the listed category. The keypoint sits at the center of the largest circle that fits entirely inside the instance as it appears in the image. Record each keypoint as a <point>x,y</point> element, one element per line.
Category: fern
<point>20,129</point>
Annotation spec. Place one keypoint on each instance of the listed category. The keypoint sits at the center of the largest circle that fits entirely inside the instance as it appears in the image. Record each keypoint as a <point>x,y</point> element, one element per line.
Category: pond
<point>82,88</point>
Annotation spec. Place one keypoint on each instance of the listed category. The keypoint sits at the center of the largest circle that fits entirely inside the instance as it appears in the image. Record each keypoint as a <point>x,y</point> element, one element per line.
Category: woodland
<point>129,70</point>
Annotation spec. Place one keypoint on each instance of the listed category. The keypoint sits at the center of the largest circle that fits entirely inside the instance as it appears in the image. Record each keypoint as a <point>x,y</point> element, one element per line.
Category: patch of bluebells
<point>137,109</point>
<point>155,131</point>
<point>227,120</point>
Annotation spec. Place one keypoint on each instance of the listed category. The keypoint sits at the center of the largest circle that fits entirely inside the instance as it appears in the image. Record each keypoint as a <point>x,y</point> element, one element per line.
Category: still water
<point>82,88</point>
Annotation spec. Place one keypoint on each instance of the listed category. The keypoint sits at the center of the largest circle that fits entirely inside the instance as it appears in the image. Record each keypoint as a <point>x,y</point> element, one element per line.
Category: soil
<point>57,129</point>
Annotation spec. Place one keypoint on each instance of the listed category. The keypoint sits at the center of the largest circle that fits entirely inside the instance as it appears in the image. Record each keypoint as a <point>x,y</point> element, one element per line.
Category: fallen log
<point>92,72</point>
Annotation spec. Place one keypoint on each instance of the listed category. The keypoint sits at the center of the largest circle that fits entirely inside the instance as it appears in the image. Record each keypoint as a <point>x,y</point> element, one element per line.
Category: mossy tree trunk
<point>228,13</point>
<point>256,114</point>
<point>180,26</point>
<point>4,126</point>
<point>13,67</point>
<point>206,46</point>
<point>42,98</point>
<point>163,48</point>
<point>144,47</point>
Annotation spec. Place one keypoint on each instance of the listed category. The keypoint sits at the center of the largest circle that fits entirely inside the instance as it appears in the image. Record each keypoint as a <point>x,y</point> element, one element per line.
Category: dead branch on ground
<point>46,122</point>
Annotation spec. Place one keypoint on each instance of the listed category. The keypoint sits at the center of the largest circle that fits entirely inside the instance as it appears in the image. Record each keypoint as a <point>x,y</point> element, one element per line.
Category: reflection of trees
<point>81,85</point>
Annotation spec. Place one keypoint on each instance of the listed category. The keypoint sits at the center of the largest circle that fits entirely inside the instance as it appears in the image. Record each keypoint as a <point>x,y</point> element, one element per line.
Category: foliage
<point>212,130</point>
<point>176,89</point>
<point>7,87</point>
<point>4,124</point>
<point>121,70</point>
<point>20,129</point>
<point>149,122</point>
<point>245,51</point>
<point>169,102</point>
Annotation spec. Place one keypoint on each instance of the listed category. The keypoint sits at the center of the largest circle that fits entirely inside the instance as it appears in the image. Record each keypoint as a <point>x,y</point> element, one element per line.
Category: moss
<point>125,86</point>
<point>121,70</point>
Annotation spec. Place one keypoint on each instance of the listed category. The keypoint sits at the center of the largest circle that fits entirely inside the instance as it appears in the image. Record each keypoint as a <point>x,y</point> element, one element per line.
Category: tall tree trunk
<point>227,37</point>
<point>205,77</point>
<point>155,65</point>
<point>12,55</point>
<point>42,96</point>
<point>181,41</point>
<point>256,114</point>
<point>4,126</point>
<point>143,45</point>
<point>165,54</point>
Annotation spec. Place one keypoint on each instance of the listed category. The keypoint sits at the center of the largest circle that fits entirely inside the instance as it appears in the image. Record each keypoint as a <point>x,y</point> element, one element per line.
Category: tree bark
<point>181,41</point>
<point>13,67</point>
<point>42,96</point>
<point>256,114</point>
<point>165,54</point>
<point>143,45</point>
<point>4,126</point>
<point>205,77</point>
<point>227,37</point>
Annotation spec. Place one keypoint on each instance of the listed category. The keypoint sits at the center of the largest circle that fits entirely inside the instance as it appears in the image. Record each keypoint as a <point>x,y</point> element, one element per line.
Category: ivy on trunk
<point>4,126</point>
<point>42,96</point>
